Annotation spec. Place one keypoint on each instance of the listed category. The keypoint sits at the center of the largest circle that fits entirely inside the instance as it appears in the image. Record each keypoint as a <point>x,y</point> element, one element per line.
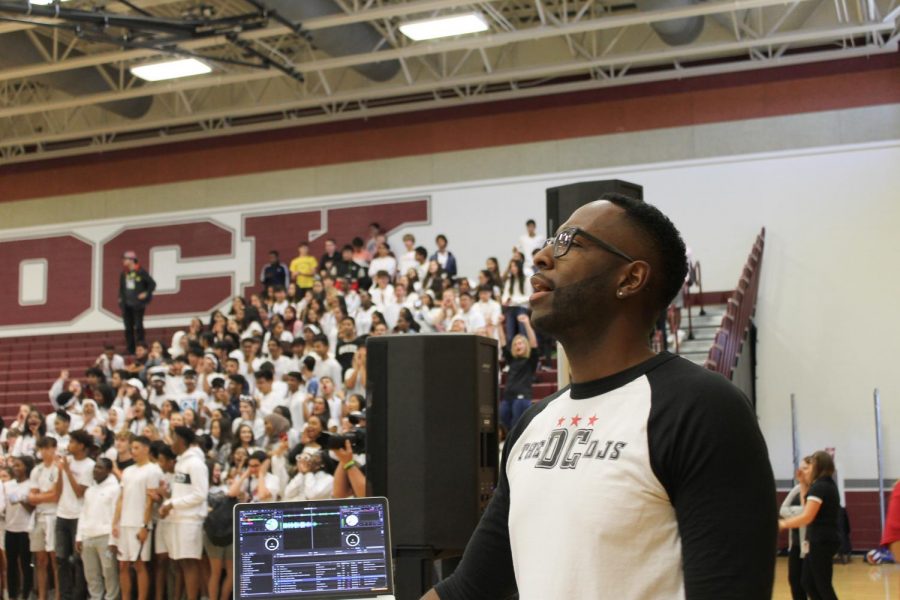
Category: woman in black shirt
<point>521,358</point>
<point>820,517</point>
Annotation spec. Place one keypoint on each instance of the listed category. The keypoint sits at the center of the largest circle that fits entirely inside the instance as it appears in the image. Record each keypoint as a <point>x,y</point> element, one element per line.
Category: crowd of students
<point>107,495</point>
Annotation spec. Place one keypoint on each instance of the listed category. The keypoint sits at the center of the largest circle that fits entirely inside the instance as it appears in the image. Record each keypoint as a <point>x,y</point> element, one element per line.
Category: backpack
<point>218,525</point>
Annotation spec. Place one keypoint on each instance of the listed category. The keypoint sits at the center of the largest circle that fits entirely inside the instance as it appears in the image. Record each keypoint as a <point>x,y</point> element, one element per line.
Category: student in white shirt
<point>76,474</point>
<point>383,262</point>
<point>529,241</point>
<point>35,429</point>
<point>60,431</point>
<point>269,393</point>
<point>407,260</point>
<point>490,309</point>
<point>382,292</point>
<point>256,483</point>
<point>94,529</point>
<point>132,520</point>
<point>18,524</point>
<point>186,509</point>
<point>109,361</point>
<point>473,317</point>
<point>297,396</point>
<point>326,364</point>
<point>311,482</point>
<point>43,495</point>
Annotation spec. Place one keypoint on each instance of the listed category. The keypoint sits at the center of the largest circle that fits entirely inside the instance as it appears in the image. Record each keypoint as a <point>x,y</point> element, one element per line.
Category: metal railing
<point>741,307</point>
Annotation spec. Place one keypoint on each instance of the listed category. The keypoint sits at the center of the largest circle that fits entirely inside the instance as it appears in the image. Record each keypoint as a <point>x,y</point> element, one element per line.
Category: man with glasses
<point>648,477</point>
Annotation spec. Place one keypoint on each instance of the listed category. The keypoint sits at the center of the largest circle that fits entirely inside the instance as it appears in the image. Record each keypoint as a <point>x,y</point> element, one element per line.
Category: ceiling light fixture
<point>170,69</point>
<point>45,2</point>
<point>440,27</point>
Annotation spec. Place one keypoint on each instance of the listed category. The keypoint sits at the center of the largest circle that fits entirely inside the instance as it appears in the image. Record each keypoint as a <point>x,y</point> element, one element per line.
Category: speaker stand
<point>415,571</point>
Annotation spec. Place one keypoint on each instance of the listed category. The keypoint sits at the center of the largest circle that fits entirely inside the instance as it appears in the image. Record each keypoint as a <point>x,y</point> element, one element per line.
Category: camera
<point>336,441</point>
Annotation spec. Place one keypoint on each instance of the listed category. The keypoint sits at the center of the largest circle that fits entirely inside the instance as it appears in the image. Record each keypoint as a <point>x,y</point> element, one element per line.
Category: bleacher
<point>30,364</point>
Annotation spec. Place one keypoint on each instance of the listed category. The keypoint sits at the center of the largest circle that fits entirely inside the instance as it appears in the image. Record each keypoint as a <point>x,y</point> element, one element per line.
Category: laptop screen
<point>312,549</point>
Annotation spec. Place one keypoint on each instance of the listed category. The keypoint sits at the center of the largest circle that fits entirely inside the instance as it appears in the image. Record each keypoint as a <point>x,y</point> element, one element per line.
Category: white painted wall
<point>828,322</point>
<point>827,317</point>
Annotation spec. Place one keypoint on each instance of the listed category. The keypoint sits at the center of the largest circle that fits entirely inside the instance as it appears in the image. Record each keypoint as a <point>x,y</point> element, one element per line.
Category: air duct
<point>675,32</point>
<point>17,50</point>
<point>356,38</point>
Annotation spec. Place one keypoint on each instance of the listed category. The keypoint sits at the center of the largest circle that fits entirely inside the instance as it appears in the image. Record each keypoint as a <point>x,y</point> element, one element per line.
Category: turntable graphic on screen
<point>313,550</point>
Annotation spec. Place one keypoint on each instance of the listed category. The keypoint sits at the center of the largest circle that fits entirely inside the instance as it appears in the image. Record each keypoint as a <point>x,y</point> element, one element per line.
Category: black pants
<point>817,570</point>
<point>70,571</point>
<point>133,316</point>
<point>795,573</point>
<point>18,556</point>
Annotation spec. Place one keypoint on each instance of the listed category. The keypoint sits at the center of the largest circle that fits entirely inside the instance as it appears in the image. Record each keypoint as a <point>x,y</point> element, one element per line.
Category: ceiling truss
<point>272,75</point>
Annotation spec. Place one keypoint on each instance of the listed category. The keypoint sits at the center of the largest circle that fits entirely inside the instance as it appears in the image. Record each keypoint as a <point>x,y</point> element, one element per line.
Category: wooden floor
<point>856,581</point>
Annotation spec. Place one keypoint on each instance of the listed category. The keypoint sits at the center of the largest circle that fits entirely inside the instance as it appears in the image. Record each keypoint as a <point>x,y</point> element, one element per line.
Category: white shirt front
<point>295,406</point>
<point>474,320</point>
<point>18,518</point>
<point>382,297</point>
<point>69,506</point>
<point>490,310</point>
<point>277,396</point>
<point>136,482</point>
<point>43,479</point>
<point>272,484</point>
<point>310,486</point>
<point>383,263</point>
<point>528,244</point>
<point>24,446</point>
<point>407,262</point>
<point>96,518</point>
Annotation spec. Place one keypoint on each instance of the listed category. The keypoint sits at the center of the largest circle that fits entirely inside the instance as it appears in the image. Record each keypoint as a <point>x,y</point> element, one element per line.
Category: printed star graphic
<point>575,420</point>
<point>592,420</point>
<point>561,421</point>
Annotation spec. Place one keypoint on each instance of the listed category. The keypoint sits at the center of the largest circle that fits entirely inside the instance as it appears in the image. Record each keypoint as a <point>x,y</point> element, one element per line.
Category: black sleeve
<point>486,570</point>
<point>819,489</point>
<point>708,452</point>
<point>151,285</point>
<point>121,289</point>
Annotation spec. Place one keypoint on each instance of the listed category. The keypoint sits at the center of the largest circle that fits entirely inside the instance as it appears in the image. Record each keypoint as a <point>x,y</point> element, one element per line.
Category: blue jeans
<point>511,409</point>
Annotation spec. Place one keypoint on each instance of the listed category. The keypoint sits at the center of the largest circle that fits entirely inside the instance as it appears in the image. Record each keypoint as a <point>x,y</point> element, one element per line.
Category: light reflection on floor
<point>856,581</point>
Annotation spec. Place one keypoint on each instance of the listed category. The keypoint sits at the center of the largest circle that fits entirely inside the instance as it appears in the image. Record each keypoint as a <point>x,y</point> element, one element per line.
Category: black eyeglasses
<point>563,242</point>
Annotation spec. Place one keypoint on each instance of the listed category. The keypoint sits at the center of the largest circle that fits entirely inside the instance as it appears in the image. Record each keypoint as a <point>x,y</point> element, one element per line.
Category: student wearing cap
<point>134,390</point>
<point>135,292</point>
<point>157,394</point>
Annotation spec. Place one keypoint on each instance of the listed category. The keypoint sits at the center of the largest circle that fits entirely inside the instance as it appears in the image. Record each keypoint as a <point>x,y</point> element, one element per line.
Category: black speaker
<point>562,201</point>
<point>432,446</point>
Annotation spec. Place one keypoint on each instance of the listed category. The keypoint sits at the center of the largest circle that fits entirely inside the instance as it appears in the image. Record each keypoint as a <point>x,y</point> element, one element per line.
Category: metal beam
<point>420,49</point>
<point>12,151</point>
<point>515,74</point>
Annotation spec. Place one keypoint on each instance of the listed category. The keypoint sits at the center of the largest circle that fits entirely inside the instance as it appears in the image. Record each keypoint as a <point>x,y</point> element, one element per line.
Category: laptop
<point>313,550</point>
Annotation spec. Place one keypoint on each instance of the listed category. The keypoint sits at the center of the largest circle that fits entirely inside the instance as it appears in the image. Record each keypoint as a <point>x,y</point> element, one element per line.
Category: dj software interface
<point>291,552</point>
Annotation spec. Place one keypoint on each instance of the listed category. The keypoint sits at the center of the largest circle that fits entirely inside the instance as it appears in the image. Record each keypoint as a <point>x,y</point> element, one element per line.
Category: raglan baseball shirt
<point>651,484</point>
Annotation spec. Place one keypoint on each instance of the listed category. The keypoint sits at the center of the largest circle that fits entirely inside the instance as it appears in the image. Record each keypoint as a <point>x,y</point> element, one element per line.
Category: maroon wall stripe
<point>695,101</point>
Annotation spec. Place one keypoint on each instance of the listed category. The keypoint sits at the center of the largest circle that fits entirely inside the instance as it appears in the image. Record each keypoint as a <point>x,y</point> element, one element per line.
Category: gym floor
<point>855,581</point>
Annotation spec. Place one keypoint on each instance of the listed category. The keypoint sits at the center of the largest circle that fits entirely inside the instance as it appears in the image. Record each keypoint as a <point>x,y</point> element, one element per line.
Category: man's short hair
<point>82,437</point>
<point>531,223</point>
<point>105,463</point>
<point>143,440</point>
<point>421,251</point>
<point>295,375</point>
<point>186,434</point>
<point>95,372</point>
<point>321,338</point>
<point>382,273</point>
<point>238,379</point>
<point>349,318</point>
<point>160,448</point>
<point>109,347</point>
<point>46,442</point>
<point>124,434</point>
<point>441,236</point>
<point>259,455</point>
<point>62,415</point>
<point>666,245</point>
<point>485,288</point>
<point>309,362</point>
<point>408,237</point>
<point>274,253</point>
<point>264,374</point>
